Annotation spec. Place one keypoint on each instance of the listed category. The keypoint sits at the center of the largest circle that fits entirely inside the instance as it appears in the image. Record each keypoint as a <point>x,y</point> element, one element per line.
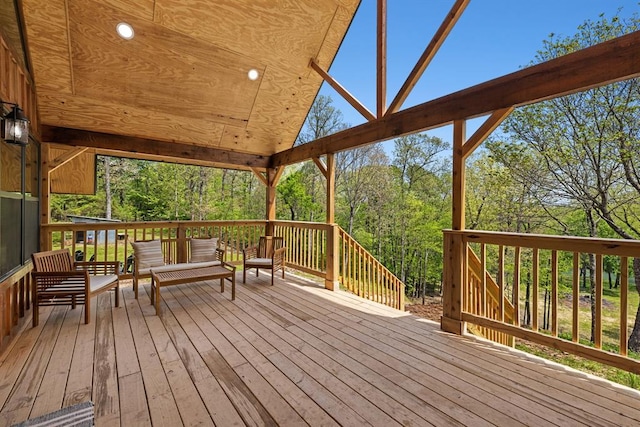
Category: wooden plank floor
<point>292,354</point>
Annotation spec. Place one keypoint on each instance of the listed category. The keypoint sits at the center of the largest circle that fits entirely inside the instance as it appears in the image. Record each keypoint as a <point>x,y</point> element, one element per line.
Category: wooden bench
<point>161,255</point>
<point>58,280</point>
<point>179,277</point>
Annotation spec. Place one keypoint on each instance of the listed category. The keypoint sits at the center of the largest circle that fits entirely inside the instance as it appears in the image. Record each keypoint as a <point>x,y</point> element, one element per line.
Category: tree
<point>589,142</point>
<point>295,197</point>
<point>323,119</point>
<point>415,159</point>
<point>356,177</point>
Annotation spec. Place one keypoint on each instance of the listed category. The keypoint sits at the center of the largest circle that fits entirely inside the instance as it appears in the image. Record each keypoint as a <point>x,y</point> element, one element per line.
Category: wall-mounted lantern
<point>15,125</point>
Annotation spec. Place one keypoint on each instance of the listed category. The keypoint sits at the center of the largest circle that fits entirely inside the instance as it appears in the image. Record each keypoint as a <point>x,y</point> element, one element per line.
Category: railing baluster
<point>501,284</point>
<point>575,333</point>
<point>598,326</point>
<point>554,293</point>
<point>535,279</point>
<point>516,286</point>
<point>624,304</point>
<point>483,279</point>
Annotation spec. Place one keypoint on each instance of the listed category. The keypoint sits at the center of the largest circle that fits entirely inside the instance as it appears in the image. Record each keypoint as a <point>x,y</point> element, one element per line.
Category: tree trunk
<point>351,215</point>
<point>634,338</point>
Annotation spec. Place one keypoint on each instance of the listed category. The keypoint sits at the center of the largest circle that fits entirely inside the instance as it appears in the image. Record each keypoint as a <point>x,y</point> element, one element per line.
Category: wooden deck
<point>291,354</point>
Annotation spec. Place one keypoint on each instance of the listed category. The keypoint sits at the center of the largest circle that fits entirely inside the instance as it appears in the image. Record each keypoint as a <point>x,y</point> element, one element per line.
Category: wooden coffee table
<point>178,277</point>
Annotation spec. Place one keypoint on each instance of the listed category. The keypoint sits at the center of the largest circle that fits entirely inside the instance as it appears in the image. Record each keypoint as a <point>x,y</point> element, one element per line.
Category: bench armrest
<point>98,267</point>
<point>229,266</point>
<point>278,254</point>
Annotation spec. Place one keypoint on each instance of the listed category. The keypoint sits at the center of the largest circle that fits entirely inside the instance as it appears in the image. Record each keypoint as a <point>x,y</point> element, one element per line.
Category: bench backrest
<point>58,260</point>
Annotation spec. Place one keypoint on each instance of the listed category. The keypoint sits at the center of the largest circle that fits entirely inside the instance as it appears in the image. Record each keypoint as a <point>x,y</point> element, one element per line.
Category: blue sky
<point>491,39</point>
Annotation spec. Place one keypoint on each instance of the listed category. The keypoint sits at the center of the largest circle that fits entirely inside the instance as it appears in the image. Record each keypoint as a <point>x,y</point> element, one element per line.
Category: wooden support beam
<point>164,159</point>
<point>332,275</point>
<point>67,156</point>
<point>342,91</point>
<point>83,138</point>
<point>277,176</point>
<point>428,54</point>
<point>381,83</point>
<point>320,164</point>
<point>484,131</point>
<point>458,179</point>
<point>270,192</point>
<point>330,175</point>
<point>455,248</point>
<point>261,176</point>
<point>272,177</point>
<point>608,62</point>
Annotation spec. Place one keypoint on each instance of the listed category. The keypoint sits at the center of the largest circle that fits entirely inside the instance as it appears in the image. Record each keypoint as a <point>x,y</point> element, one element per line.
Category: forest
<point>567,166</point>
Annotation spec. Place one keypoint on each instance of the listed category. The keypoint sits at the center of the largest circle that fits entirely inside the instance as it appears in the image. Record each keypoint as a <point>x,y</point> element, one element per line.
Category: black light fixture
<point>15,126</point>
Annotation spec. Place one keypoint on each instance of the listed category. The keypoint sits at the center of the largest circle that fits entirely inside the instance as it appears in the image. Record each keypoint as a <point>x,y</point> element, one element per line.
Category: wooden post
<point>333,252</point>
<point>270,214</point>
<point>381,84</point>
<point>455,248</point>
<point>45,192</point>
<point>181,243</point>
<point>331,188</point>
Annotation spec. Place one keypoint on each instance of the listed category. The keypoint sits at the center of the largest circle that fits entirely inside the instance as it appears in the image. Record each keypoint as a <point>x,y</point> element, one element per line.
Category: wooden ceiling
<point>180,86</point>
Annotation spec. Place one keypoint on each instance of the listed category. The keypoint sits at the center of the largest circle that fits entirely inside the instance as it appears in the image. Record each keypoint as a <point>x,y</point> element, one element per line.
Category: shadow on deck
<point>291,354</point>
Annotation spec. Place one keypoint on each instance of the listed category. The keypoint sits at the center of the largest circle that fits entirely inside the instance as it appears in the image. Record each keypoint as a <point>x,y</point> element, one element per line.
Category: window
<point>19,204</point>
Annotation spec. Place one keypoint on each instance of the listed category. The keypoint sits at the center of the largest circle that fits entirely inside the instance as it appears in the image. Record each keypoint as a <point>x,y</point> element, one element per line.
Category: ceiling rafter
<point>614,60</point>
<point>428,54</point>
<point>342,91</point>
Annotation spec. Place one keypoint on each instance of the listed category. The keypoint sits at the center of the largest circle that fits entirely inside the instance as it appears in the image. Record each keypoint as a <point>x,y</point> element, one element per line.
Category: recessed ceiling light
<point>125,30</point>
<point>253,74</point>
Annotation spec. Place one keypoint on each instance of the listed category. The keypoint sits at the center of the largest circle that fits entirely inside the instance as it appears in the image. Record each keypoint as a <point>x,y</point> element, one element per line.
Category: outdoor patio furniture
<point>268,254</point>
<point>150,254</point>
<point>58,280</point>
<point>179,277</point>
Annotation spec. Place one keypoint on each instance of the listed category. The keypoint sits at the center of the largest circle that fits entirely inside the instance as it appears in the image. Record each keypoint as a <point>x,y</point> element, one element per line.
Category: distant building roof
<point>80,218</point>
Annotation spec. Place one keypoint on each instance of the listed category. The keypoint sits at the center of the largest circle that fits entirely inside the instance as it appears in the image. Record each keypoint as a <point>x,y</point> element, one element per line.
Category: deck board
<point>290,354</point>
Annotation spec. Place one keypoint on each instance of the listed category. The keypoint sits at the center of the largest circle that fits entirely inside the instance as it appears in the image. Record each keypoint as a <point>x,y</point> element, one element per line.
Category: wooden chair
<point>268,254</point>
<point>58,280</point>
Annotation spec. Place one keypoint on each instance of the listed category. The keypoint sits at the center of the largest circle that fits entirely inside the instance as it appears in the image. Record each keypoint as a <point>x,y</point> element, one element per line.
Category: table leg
<point>157,301</point>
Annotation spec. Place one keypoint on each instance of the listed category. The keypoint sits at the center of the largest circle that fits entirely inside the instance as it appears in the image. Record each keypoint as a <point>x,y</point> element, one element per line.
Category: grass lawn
<point>610,332</point>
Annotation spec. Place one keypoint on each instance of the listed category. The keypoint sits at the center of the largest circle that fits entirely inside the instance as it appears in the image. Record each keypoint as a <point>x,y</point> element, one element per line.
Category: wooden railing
<point>107,241</point>
<point>306,244</point>
<point>548,265</point>
<point>15,300</point>
<point>361,273</point>
<point>308,249</point>
<point>483,298</point>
